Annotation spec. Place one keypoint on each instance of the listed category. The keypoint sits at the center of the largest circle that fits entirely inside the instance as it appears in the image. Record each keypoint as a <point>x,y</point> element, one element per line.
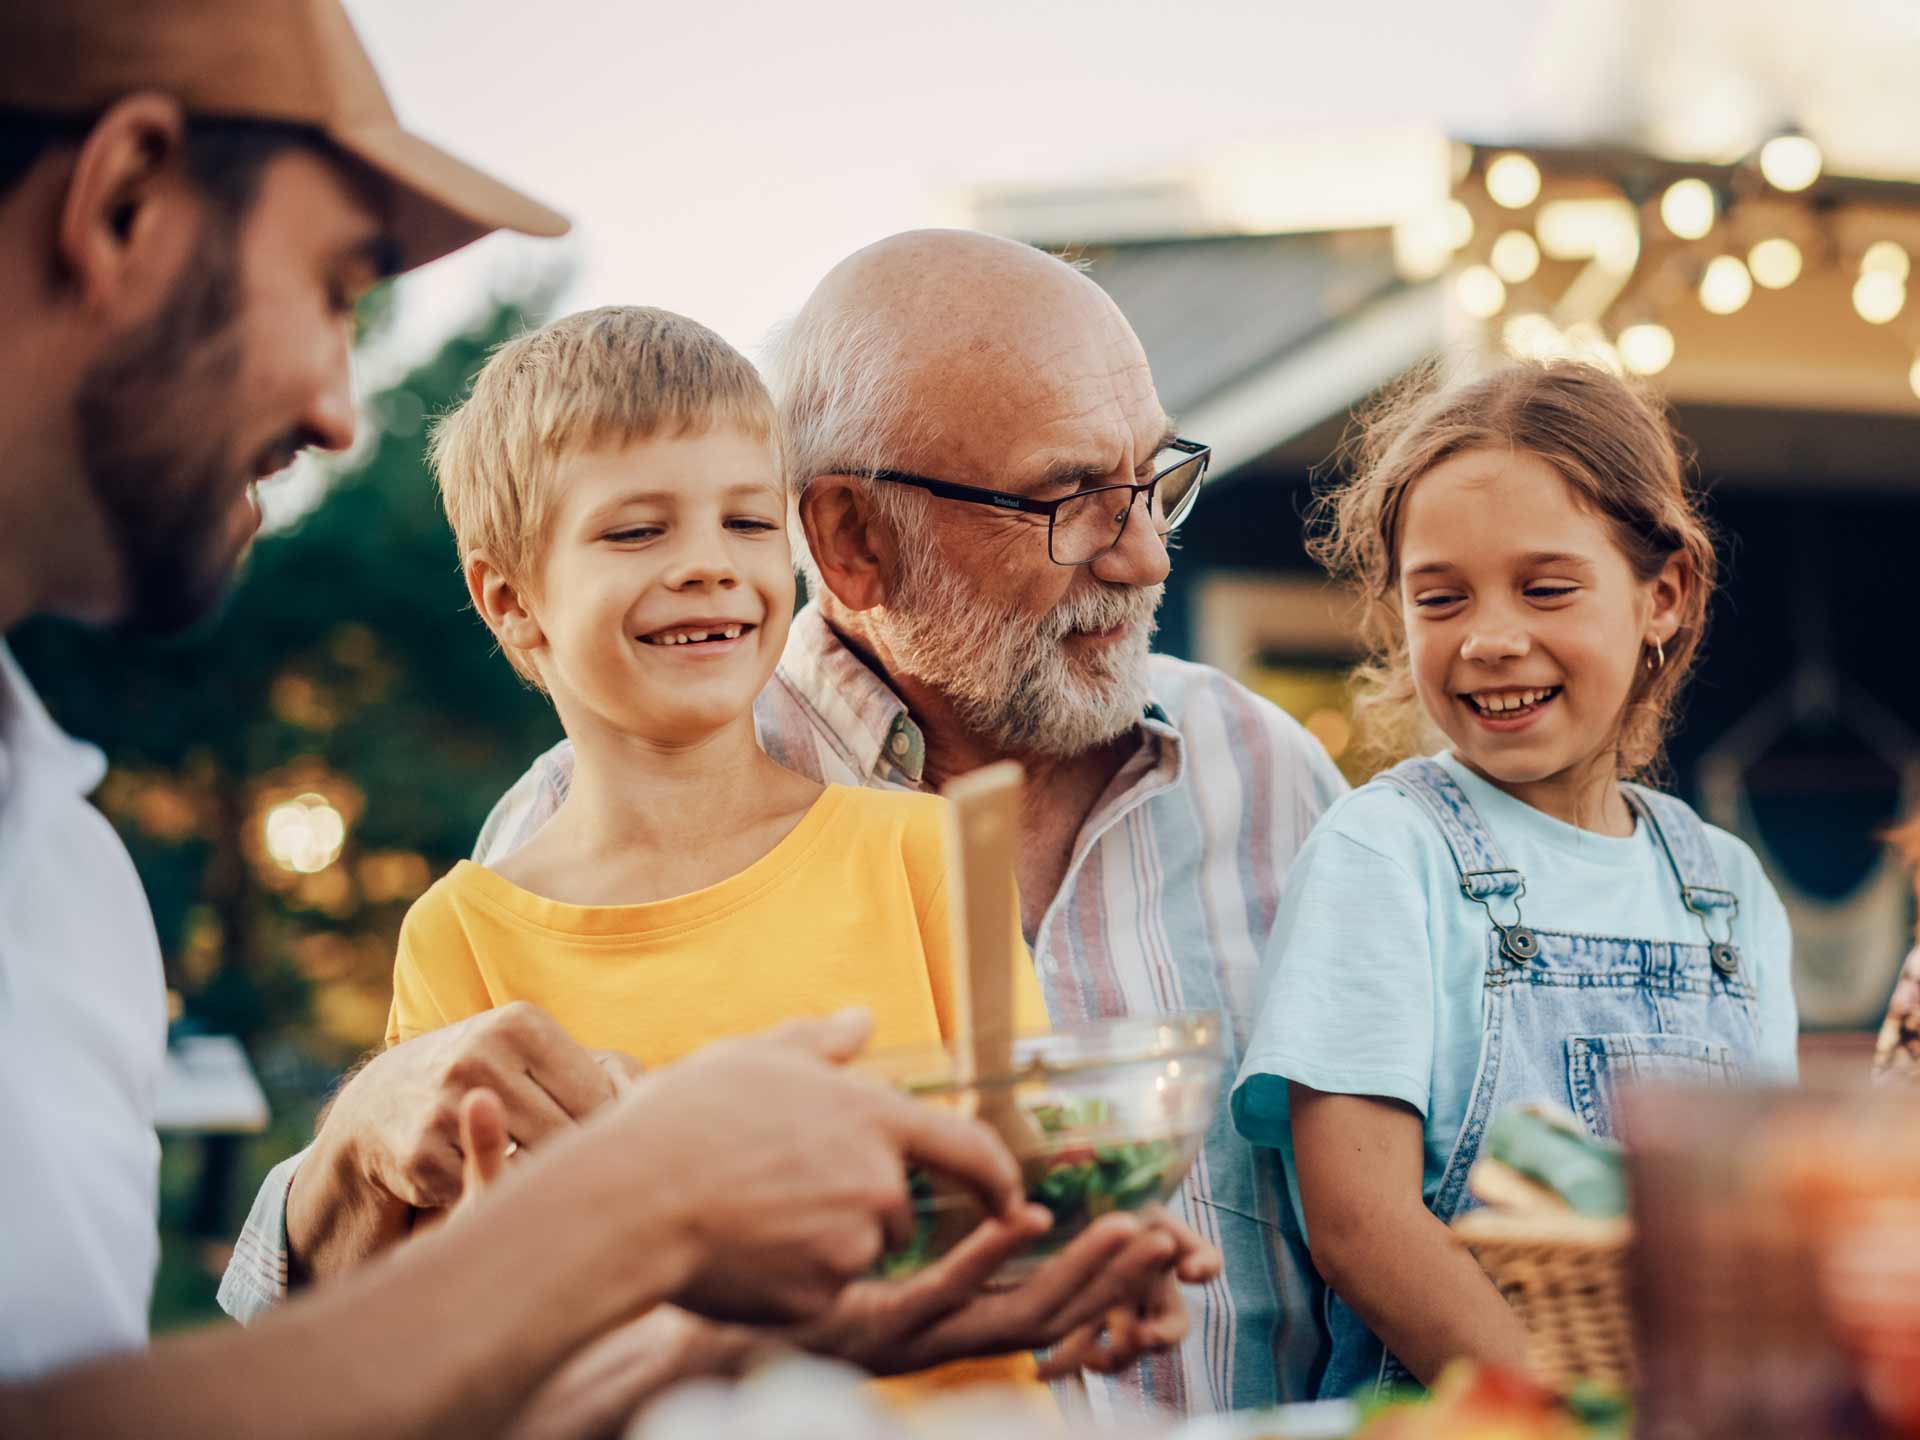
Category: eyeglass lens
<point>1087,525</point>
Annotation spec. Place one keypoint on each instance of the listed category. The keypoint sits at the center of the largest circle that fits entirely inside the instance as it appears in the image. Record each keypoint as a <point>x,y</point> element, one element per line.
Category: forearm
<point>1420,1290</point>
<point>447,1336</point>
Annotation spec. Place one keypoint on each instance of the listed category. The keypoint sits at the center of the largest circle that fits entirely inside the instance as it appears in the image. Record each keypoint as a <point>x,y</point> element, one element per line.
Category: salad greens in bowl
<point>1114,1113</point>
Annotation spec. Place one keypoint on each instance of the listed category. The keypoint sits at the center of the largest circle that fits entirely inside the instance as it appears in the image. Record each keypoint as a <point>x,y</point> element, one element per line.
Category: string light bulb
<point>1725,286</point>
<point>1776,263</point>
<point>1513,182</point>
<point>1481,293</point>
<point>1516,255</point>
<point>1459,224</point>
<point>1531,336</point>
<point>1791,162</point>
<point>1646,348</point>
<point>1688,208</point>
<point>305,834</point>
<point>1422,245</point>
<point>1886,257</point>
<point>1878,297</point>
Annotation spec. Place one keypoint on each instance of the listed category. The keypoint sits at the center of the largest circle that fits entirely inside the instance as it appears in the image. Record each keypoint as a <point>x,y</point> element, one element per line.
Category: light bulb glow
<point>1790,162</point>
<point>1585,229</point>
<point>1886,257</point>
<point>1775,263</point>
<point>1878,297</point>
<point>304,834</point>
<point>1725,286</point>
<point>1459,224</point>
<point>1513,181</point>
<point>1422,247</point>
<point>1688,208</point>
<point>1646,348</point>
<point>1515,257</point>
<point>1480,292</point>
<point>1531,336</point>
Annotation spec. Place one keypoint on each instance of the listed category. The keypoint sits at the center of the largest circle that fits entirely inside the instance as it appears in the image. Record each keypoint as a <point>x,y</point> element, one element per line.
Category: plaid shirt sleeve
<point>256,1278</point>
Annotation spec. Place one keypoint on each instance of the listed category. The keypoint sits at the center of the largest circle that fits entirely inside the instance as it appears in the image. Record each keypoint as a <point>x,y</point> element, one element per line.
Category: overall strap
<point>1485,875</point>
<point>1684,839</point>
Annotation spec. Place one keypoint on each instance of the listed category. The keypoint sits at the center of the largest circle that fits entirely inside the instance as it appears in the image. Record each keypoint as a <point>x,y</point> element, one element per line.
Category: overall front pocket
<point>1598,1065</point>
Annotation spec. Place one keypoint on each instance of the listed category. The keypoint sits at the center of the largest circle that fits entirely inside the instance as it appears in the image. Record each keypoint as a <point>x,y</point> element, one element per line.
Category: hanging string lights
<point>1596,265</point>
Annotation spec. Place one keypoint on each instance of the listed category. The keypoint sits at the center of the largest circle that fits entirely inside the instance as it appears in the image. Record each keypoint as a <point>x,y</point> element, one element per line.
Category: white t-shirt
<point>83,1022</point>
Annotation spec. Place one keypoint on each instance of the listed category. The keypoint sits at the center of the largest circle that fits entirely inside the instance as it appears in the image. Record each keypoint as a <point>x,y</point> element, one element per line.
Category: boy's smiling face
<point>666,590</point>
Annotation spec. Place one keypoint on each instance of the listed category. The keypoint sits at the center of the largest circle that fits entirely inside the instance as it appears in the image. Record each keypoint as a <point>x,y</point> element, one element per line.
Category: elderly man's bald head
<point>938,289</point>
<point>954,336</point>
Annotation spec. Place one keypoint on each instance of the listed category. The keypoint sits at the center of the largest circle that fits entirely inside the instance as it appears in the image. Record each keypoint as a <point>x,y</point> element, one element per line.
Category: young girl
<point>1509,920</point>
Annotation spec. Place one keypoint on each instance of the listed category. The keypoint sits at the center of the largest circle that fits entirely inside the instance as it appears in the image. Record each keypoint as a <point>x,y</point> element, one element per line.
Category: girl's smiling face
<point>1526,625</point>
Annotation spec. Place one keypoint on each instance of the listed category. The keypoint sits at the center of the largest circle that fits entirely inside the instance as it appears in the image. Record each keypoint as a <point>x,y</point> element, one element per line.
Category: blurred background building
<point>1706,235</point>
<point>1293,210</point>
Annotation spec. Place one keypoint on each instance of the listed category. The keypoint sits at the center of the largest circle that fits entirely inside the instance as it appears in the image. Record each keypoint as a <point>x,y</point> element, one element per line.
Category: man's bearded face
<point>159,420</point>
<point>1016,680</point>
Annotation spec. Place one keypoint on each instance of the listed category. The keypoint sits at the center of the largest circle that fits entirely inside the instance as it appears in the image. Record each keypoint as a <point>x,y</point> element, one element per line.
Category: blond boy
<point>614,486</point>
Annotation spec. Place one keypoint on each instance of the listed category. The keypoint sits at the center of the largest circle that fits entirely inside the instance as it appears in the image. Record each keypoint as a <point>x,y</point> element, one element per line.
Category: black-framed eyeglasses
<point>1084,526</point>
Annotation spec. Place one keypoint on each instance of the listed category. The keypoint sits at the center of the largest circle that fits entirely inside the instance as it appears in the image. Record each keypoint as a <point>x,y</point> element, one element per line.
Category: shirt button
<point>900,742</point>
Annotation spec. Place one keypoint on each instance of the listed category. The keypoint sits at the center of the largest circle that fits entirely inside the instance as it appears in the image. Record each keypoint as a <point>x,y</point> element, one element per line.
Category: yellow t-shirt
<point>851,908</point>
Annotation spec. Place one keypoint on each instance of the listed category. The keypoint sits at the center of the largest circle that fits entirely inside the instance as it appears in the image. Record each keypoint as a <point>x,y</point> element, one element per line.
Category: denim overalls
<point>1567,1017</point>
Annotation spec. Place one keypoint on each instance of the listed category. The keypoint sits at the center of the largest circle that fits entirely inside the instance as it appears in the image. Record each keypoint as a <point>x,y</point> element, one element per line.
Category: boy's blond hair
<point>601,378</point>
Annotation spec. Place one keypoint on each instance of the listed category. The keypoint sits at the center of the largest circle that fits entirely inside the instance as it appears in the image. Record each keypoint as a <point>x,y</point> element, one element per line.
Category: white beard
<point>1009,676</point>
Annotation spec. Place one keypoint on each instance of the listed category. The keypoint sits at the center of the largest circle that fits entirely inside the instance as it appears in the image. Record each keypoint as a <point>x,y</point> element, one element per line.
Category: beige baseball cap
<point>295,61</point>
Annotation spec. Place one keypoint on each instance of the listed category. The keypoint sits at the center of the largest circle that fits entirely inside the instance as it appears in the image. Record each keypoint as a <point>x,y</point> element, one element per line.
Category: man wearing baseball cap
<point>193,196</point>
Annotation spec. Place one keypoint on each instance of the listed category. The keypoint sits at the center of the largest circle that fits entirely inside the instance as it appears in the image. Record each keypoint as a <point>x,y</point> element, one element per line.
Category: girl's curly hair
<point>1612,444</point>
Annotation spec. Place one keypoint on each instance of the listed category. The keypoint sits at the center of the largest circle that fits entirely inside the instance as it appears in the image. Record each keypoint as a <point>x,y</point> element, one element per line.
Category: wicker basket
<point>1566,1275</point>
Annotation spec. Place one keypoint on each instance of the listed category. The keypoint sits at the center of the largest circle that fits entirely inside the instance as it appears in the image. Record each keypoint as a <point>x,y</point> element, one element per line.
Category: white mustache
<point>1097,610</point>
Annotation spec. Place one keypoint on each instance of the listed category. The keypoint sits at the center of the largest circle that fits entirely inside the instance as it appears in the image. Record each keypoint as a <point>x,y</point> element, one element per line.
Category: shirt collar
<point>873,722</point>
<point>859,708</point>
<point>30,741</point>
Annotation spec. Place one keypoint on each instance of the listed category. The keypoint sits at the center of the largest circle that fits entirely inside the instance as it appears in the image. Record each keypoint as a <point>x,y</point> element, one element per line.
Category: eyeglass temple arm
<point>946,490</point>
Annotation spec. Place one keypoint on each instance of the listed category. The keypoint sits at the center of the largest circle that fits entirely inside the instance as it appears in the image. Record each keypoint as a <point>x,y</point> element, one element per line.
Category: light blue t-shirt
<point>1376,967</point>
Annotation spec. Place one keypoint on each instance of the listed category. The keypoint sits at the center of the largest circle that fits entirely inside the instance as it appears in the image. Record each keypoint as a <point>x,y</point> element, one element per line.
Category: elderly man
<point>192,198</point>
<point>986,480</point>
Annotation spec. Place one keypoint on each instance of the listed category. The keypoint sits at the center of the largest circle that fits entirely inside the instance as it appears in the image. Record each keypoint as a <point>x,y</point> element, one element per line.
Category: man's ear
<point>502,604</point>
<point>130,218</point>
<point>854,549</point>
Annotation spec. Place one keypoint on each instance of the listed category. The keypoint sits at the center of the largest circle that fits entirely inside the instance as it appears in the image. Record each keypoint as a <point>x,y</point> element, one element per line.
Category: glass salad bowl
<point>1105,1116</point>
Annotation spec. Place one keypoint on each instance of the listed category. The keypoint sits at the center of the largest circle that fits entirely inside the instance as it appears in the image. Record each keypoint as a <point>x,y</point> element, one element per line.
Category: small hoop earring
<point>1658,659</point>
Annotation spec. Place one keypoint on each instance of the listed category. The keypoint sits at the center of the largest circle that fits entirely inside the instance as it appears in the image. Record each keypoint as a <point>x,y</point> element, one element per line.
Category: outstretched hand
<point>1110,1296</point>
<point>1150,1317</point>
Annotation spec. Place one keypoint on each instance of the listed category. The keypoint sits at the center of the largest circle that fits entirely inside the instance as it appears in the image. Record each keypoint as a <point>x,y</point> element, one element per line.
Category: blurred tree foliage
<point>347,664</point>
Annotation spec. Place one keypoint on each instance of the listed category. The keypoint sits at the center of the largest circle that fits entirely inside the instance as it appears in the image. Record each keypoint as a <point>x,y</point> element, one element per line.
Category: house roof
<point>1211,311</point>
<point>1254,340</point>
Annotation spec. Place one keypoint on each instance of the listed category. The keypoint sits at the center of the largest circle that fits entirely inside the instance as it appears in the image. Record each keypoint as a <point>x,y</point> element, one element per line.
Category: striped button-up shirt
<point>1167,904</point>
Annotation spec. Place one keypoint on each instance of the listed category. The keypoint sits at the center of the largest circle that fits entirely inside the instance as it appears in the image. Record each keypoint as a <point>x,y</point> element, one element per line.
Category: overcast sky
<point>717,156</point>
